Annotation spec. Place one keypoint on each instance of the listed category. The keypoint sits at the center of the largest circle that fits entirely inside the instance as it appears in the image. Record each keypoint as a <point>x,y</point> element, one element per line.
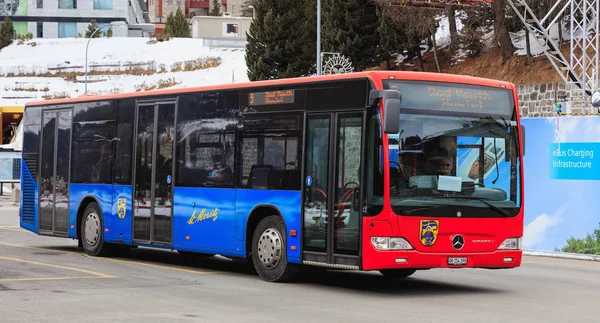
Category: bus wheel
<point>397,273</point>
<point>91,232</point>
<point>269,250</point>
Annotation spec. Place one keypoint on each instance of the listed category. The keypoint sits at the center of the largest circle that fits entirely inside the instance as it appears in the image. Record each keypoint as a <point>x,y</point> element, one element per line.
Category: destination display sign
<point>454,97</point>
<point>271,97</point>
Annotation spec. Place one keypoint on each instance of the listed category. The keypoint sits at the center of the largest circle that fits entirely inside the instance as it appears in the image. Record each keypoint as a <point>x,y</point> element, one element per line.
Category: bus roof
<point>375,76</point>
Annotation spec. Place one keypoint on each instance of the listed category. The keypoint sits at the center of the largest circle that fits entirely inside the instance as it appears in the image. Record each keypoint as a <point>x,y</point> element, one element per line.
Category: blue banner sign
<point>574,160</point>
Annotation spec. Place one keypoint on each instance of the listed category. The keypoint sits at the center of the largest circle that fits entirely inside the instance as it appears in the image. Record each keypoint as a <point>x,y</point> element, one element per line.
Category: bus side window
<point>270,152</point>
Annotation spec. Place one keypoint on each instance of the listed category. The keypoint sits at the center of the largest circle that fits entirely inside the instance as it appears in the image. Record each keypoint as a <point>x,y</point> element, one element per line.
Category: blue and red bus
<point>388,171</point>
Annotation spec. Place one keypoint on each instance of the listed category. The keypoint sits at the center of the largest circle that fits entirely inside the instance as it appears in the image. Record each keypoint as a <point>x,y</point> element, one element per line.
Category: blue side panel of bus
<point>204,220</point>
<point>102,193</point>
<point>288,204</point>
<point>214,220</point>
<point>29,200</point>
<point>120,216</point>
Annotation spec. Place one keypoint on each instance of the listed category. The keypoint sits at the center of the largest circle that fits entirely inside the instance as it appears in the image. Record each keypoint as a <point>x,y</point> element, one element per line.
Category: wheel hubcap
<point>269,248</point>
<point>92,225</point>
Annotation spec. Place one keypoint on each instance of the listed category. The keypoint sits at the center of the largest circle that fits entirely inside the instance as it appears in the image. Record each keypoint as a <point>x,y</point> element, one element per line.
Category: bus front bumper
<point>415,259</point>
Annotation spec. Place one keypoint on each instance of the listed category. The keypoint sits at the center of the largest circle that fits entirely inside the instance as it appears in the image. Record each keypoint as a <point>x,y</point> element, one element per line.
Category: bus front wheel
<point>269,250</point>
<point>91,233</point>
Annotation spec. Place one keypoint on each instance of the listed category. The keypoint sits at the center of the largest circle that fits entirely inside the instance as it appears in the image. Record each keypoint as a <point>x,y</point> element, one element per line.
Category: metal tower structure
<point>581,70</point>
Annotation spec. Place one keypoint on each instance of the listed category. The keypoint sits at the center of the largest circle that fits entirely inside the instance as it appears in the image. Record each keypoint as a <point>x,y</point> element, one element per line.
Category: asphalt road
<point>44,279</point>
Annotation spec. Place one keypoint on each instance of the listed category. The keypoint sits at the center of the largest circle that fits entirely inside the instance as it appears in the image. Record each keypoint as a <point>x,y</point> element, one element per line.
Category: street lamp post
<point>86,53</point>
<point>318,37</point>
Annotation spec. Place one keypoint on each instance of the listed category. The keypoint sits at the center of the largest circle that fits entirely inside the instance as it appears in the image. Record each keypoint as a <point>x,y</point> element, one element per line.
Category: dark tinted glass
<point>337,95</point>
<point>206,130</point>
<point>47,171</point>
<point>124,141</point>
<point>163,171</point>
<point>270,152</point>
<point>61,185</point>
<point>93,137</point>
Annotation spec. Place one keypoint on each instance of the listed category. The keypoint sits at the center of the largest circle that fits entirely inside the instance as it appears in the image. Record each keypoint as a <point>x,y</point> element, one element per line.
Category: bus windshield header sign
<point>271,97</point>
<point>440,96</point>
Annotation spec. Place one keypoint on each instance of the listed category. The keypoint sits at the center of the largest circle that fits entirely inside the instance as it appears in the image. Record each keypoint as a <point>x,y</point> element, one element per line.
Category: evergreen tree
<point>177,25</point>
<point>350,28</point>
<point>92,26</point>
<point>216,10</point>
<point>390,33</point>
<point>277,41</point>
<point>7,32</point>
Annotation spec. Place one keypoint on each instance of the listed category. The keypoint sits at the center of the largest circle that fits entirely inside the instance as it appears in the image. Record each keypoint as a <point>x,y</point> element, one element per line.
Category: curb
<point>561,255</point>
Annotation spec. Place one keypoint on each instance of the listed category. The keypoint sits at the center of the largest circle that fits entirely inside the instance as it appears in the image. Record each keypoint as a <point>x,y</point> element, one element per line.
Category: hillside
<point>55,68</point>
<point>519,69</point>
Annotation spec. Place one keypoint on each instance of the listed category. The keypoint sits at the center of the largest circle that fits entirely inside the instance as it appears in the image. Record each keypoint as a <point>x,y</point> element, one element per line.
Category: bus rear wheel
<point>269,250</point>
<point>91,233</point>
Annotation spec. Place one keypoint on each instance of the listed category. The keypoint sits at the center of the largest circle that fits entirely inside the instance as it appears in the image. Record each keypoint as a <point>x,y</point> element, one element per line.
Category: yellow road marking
<point>50,278</point>
<point>115,260</point>
<point>38,248</point>
<point>162,267</point>
<point>14,229</point>
<point>59,267</point>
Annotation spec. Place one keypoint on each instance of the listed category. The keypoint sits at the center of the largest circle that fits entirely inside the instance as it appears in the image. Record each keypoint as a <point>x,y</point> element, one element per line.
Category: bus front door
<point>331,189</point>
<point>54,172</point>
<point>153,175</point>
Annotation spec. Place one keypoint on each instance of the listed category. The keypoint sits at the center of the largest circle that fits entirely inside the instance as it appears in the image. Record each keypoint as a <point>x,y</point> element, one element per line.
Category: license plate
<point>457,261</point>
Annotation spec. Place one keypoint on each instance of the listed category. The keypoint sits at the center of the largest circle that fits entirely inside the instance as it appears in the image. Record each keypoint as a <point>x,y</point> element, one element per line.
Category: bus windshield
<point>461,160</point>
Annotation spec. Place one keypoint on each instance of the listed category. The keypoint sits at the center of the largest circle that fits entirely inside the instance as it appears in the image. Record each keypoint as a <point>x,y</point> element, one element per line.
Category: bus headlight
<point>511,244</point>
<point>387,243</point>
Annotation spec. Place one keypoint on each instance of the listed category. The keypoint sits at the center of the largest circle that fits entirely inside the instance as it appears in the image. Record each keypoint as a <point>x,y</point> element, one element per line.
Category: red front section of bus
<point>478,247</point>
<point>481,237</point>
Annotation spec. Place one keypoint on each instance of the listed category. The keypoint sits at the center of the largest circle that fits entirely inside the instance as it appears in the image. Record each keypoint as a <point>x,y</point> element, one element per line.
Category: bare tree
<point>501,36</point>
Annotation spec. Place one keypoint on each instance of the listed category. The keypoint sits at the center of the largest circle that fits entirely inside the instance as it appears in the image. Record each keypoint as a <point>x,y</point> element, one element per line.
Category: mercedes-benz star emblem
<point>458,242</point>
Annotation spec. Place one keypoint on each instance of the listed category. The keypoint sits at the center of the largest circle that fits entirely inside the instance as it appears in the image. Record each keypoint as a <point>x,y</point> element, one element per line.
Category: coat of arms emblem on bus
<point>429,232</point>
<point>121,207</point>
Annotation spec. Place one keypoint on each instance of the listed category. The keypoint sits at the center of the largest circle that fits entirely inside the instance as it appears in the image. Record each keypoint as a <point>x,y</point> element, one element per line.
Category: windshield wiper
<point>482,200</point>
<point>412,210</point>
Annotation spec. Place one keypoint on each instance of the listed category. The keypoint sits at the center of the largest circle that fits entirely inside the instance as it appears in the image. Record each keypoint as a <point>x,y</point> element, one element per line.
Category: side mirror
<point>522,130</point>
<point>391,108</point>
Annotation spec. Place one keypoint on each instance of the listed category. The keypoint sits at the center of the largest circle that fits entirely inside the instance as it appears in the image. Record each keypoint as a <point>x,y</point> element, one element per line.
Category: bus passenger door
<point>153,175</point>
<point>54,172</point>
<point>331,188</point>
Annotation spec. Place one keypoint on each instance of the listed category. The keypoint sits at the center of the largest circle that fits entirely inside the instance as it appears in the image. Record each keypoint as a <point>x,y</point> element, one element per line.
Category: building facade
<point>159,10</point>
<point>70,18</point>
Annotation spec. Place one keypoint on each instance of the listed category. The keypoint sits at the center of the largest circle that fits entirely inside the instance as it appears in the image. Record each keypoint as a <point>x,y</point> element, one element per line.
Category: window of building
<point>67,4</point>
<point>40,29</point>
<point>40,4</point>
<point>67,30</point>
<point>103,4</point>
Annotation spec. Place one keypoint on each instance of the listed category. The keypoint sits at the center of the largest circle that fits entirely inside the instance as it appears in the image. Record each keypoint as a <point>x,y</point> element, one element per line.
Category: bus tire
<point>91,233</point>
<point>397,273</point>
<point>269,245</point>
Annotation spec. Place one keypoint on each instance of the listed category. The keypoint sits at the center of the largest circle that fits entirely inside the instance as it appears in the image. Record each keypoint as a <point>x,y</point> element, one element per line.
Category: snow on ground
<point>520,43</point>
<point>120,53</point>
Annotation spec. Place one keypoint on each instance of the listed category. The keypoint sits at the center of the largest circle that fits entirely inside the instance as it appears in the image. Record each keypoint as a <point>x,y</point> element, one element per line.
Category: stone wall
<point>539,100</point>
